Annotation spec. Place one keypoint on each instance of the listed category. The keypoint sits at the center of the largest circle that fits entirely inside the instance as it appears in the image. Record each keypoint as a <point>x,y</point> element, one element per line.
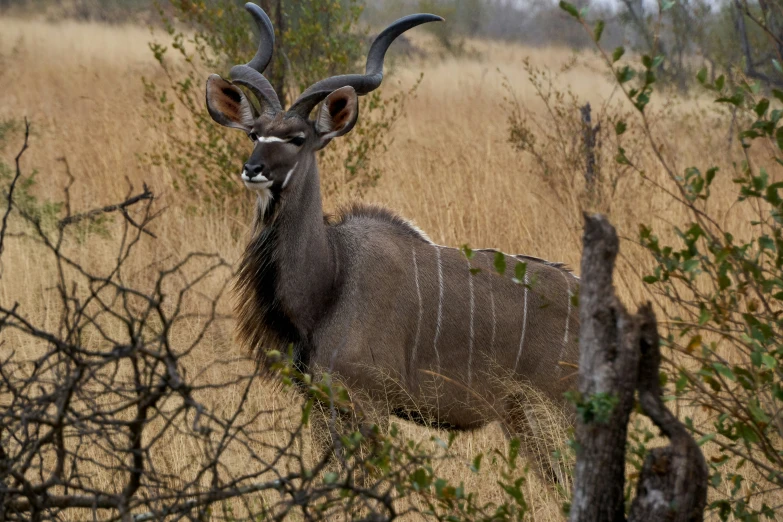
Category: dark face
<point>280,145</point>
<point>285,142</point>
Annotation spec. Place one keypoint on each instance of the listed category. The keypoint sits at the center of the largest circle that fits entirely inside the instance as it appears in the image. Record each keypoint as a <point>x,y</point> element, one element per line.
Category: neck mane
<point>288,272</point>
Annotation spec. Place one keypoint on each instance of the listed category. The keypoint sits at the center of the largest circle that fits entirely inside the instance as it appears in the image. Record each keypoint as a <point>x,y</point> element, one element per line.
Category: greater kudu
<point>366,292</point>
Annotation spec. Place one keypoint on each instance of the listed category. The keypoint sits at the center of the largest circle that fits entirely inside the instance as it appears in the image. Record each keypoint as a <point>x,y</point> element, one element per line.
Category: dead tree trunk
<point>589,137</point>
<point>620,354</point>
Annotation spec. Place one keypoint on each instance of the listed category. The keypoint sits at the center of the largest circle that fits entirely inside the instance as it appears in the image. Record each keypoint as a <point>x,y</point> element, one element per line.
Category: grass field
<point>449,168</point>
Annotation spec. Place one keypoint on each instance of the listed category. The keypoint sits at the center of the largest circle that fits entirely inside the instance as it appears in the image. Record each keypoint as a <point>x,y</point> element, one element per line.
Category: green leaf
<point>701,76</point>
<point>715,385</point>
<point>757,413</point>
<point>735,100</point>
<point>690,265</point>
<point>641,101</point>
<point>621,158</point>
<point>308,408</point>
<point>467,251</point>
<point>761,107</point>
<point>618,53</point>
<point>598,30</point>
<point>778,94</point>
<point>711,175</point>
<point>475,467</point>
<point>657,61</point>
<point>569,8</point>
<point>330,477</point>
<point>766,243</point>
<point>720,82</point>
<point>520,272</point>
<point>500,263</point>
<point>667,4</point>
<point>779,137</point>
<point>769,361</point>
<point>682,381</point>
<point>705,439</point>
<point>625,74</point>
<point>725,371</point>
<point>620,127</point>
<point>420,479</point>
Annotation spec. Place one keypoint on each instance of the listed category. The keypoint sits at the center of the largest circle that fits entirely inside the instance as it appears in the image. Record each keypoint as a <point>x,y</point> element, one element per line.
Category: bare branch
<point>10,193</point>
<point>119,207</point>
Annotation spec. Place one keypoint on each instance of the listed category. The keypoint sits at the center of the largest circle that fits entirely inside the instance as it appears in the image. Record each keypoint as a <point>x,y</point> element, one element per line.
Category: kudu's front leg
<point>334,426</point>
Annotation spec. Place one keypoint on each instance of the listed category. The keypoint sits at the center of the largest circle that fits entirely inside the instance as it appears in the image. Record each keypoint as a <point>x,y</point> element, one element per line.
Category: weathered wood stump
<point>620,355</point>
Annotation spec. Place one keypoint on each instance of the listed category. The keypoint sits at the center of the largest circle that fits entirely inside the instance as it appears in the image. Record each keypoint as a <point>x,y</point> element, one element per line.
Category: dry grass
<point>449,168</point>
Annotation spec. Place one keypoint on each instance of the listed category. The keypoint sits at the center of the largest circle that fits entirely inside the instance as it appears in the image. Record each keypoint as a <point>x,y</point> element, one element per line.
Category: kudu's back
<point>435,332</point>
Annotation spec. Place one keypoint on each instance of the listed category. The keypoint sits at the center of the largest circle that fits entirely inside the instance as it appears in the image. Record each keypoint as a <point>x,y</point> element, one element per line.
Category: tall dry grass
<point>449,168</point>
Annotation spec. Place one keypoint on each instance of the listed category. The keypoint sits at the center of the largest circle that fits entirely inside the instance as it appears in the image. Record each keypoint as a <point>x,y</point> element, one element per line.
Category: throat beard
<point>264,201</point>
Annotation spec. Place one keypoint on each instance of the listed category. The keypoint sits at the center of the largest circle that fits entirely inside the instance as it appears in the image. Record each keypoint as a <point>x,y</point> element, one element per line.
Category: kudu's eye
<point>297,140</point>
<point>253,136</point>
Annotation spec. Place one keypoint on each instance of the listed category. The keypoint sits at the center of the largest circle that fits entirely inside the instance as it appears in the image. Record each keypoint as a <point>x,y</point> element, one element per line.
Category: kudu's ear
<point>228,105</point>
<point>338,114</point>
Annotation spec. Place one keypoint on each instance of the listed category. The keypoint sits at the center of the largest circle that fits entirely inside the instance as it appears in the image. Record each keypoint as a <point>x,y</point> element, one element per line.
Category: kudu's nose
<point>252,170</point>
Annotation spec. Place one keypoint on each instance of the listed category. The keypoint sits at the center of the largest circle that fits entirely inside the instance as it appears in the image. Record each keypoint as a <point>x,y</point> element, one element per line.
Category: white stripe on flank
<point>524,327</point>
<point>288,176</point>
<point>421,308</point>
<point>492,306</point>
<point>472,310</point>
<point>568,313</point>
<point>567,322</point>
<point>440,308</point>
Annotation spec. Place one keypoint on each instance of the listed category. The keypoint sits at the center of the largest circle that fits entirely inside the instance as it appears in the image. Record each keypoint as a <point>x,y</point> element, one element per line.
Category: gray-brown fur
<point>365,294</point>
<point>346,295</point>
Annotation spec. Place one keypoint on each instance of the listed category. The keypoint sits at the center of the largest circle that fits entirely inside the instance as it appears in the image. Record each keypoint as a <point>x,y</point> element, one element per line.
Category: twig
<point>589,134</point>
<point>17,175</point>
<point>119,207</point>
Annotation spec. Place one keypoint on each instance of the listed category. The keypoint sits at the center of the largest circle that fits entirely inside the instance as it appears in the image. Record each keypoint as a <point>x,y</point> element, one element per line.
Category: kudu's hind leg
<point>538,428</point>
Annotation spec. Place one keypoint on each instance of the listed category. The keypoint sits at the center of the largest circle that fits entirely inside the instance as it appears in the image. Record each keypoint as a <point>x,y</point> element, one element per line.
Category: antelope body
<point>367,293</point>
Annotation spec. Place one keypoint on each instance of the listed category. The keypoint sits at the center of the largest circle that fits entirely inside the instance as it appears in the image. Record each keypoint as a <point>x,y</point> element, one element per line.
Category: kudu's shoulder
<point>376,218</point>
